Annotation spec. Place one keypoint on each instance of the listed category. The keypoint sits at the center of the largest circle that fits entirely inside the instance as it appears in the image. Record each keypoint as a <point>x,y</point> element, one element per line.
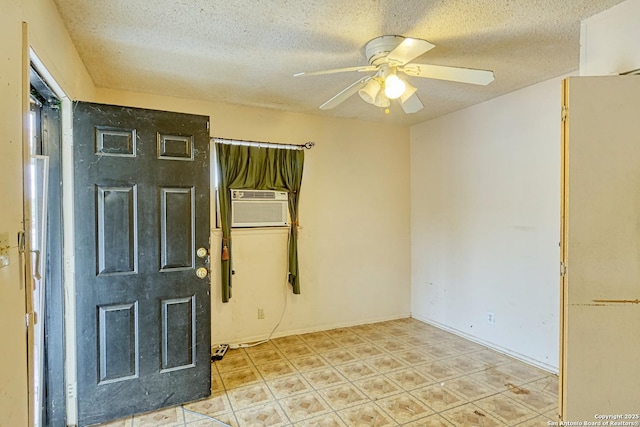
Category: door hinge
<point>21,241</point>
<point>71,391</point>
<point>563,269</point>
<point>30,319</point>
<point>564,113</point>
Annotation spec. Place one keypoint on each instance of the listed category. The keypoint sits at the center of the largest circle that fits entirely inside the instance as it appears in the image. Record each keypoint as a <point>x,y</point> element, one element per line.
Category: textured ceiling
<point>246,51</point>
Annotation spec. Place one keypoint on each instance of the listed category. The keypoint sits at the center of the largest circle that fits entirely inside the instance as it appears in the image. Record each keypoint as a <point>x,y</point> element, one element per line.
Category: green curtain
<point>247,167</point>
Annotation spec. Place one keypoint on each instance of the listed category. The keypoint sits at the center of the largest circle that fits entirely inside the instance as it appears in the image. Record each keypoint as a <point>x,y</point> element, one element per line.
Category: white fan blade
<point>408,50</point>
<point>345,93</point>
<point>455,74</point>
<point>412,104</point>
<point>361,69</point>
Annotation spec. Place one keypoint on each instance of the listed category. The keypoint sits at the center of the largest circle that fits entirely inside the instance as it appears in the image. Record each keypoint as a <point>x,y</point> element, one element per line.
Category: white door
<point>600,335</point>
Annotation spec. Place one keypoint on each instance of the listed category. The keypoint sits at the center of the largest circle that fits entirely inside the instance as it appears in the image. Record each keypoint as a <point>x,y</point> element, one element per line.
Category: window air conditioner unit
<point>259,208</point>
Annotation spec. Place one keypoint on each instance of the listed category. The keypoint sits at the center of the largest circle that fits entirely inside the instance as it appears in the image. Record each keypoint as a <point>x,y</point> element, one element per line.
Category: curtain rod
<point>308,145</point>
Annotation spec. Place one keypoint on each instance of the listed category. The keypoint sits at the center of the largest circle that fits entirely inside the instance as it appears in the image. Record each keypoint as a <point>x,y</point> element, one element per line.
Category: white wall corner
<point>609,41</point>
<point>583,47</point>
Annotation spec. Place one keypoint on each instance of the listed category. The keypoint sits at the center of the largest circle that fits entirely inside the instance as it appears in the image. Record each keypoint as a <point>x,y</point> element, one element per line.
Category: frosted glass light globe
<point>393,87</point>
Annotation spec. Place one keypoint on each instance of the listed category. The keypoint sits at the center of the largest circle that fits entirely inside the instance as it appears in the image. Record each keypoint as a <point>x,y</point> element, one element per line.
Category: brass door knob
<point>202,272</point>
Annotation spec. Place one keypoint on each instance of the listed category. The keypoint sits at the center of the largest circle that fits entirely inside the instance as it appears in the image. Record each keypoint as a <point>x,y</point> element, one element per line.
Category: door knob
<point>202,252</point>
<point>202,272</point>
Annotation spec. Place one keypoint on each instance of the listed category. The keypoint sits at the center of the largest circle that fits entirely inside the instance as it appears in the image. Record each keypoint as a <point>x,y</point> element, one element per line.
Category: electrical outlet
<point>491,318</point>
<point>261,313</point>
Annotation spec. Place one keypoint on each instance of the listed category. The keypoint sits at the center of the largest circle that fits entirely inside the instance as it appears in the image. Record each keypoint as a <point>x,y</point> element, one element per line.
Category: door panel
<point>117,230</point>
<point>601,247</point>
<point>118,340</point>
<point>178,333</point>
<point>141,210</point>
<point>176,230</point>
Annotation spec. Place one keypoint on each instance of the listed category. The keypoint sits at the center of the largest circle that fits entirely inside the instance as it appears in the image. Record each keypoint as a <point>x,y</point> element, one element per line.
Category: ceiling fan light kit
<point>388,55</point>
<point>394,87</point>
<point>381,101</point>
<point>370,91</point>
<point>408,92</point>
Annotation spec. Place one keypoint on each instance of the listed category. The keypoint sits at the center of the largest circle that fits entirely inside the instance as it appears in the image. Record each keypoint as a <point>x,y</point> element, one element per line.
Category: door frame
<point>68,278</point>
<point>68,238</point>
<point>564,187</point>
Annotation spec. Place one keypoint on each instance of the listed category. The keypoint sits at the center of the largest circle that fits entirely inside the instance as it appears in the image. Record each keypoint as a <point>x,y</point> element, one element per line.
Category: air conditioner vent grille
<point>258,195</point>
<point>259,214</point>
<point>259,208</point>
<point>255,195</point>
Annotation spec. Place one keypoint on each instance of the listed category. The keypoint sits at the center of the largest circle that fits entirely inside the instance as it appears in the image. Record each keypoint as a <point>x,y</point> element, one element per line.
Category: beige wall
<point>354,216</point>
<point>485,221</point>
<point>13,364</point>
<point>47,35</point>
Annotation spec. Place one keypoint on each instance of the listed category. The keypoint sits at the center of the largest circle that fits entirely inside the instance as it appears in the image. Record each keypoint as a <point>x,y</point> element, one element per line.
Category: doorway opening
<point>43,228</point>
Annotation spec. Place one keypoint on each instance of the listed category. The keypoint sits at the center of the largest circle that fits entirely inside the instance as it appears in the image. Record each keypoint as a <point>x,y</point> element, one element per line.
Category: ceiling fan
<point>388,56</point>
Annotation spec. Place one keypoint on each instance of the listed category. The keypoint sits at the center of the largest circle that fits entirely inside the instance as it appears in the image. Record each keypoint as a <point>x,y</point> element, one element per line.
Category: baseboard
<point>503,350</point>
<point>310,329</point>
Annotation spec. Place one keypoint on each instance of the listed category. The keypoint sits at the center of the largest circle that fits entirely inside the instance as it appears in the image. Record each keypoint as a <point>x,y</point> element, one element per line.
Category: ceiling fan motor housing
<point>377,49</point>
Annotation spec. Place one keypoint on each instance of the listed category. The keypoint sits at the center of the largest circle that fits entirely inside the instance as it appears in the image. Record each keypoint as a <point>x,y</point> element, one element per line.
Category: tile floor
<point>400,372</point>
